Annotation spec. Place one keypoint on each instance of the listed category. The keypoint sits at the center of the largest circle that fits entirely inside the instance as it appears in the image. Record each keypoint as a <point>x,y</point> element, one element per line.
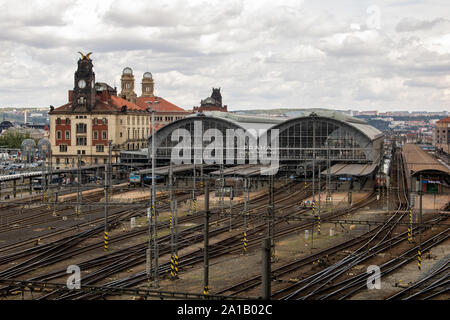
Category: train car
<point>308,167</point>
<point>230,184</point>
<point>135,178</point>
<point>37,182</point>
<point>138,178</point>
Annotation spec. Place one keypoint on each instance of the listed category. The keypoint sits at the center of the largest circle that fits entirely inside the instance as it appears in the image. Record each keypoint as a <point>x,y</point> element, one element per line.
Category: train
<point>143,178</point>
<point>229,184</point>
<point>308,167</point>
<point>37,182</point>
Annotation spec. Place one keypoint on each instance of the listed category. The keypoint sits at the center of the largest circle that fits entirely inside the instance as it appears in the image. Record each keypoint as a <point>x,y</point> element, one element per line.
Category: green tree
<point>13,139</point>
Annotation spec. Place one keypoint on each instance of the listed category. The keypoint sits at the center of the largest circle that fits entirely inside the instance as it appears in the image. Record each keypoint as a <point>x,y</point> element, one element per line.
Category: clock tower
<point>127,83</point>
<point>84,86</point>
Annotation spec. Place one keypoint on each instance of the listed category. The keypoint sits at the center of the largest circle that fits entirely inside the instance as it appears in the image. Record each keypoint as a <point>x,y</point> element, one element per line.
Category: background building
<point>442,135</point>
<point>95,114</point>
<point>213,103</point>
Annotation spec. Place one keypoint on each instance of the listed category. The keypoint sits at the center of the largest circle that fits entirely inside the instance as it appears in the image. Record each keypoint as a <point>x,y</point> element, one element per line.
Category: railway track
<point>49,249</point>
<point>229,245</point>
<point>189,241</point>
<point>335,282</point>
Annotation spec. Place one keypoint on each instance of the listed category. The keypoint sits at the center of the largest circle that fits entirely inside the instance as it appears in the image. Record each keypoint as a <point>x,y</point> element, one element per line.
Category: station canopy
<point>315,135</point>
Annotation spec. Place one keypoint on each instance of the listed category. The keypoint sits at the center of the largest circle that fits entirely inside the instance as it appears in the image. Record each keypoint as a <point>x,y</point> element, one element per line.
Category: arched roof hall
<point>314,136</point>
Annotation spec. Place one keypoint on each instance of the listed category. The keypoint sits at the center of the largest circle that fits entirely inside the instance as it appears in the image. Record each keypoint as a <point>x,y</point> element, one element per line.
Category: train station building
<point>96,114</point>
<point>338,145</point>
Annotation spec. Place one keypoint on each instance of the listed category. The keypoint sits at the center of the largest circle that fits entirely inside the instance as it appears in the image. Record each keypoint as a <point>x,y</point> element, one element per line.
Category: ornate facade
<point>95,114</point>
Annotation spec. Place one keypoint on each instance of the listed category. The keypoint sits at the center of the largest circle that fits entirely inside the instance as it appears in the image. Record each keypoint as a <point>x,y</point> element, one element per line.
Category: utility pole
<point>173,229</point>
<point>110,171</point>
<point>271,217</point>
<point>328,176</point>
<point>194,199</point>
<point>419,253</point>
<point>266,269</point>
<point>246,187</point>
<point>51,176</point>
<point>106,235</point>
<point>206,243</point>
<point>153,237</point>
<point>222,185</point>
<point>78,210</point>
<point>318,218</point>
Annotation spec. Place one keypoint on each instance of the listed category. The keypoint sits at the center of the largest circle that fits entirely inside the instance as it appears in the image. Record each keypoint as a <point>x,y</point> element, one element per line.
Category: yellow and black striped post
<point>174,267</point>
<point>206,290</point>
<point>106,241</point>
<point>193,206</point>
<point>419,259</point>
<point>410,227</point>
<point>318,225</point>
<point>245,242</point>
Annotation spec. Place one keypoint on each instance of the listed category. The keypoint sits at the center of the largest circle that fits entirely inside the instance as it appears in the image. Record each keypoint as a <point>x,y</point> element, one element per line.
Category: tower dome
<point>148,85</point>
<point>127,84</point>
<point>127,70</point>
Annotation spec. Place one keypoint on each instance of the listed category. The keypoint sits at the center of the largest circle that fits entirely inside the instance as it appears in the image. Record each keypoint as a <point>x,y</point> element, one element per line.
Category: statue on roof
<point>85,57</point>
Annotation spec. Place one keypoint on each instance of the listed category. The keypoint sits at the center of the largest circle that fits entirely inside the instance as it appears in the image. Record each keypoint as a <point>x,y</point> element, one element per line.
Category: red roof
<point>445,120</point>
<point>162,105</point>
<point>118,102</point>
<point>157,126</point>
<point>114,103</point>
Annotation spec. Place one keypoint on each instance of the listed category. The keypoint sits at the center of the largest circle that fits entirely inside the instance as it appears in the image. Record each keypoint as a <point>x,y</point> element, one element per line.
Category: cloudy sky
<point>363,55</point>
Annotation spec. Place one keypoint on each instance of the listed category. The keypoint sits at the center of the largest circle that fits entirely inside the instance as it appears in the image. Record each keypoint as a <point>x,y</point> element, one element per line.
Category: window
<point>104,161</point>
<point>121,134</point>
<point>63,148</point>
<point>95,135</point>
<point>83,151</point>
<point>58,135</point>
<point>127,86</point>
<point>104,120</point>
<point>67,121</point>
<point>58,120</point>
<point>57,160</point>
<point>104,135</point>
<point>100,148</point>
<point>121,121</point>
<point>95,121</point>
<point>66,160</point>
<point>67,135</point>
<point>81,141</point>
<point>81,128</point>
<point>95,160</point>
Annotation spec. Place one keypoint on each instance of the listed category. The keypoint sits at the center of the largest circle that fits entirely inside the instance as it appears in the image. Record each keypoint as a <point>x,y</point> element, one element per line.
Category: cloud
<point>412,24</point>
<point>262,54</point>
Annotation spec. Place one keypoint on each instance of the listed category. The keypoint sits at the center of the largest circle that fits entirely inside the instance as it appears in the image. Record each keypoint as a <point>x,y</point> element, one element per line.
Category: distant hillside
<point>284,112</point>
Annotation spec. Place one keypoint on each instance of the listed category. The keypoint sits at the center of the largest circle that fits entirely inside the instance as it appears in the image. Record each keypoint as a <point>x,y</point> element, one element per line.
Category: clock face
<point>82,84</point>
